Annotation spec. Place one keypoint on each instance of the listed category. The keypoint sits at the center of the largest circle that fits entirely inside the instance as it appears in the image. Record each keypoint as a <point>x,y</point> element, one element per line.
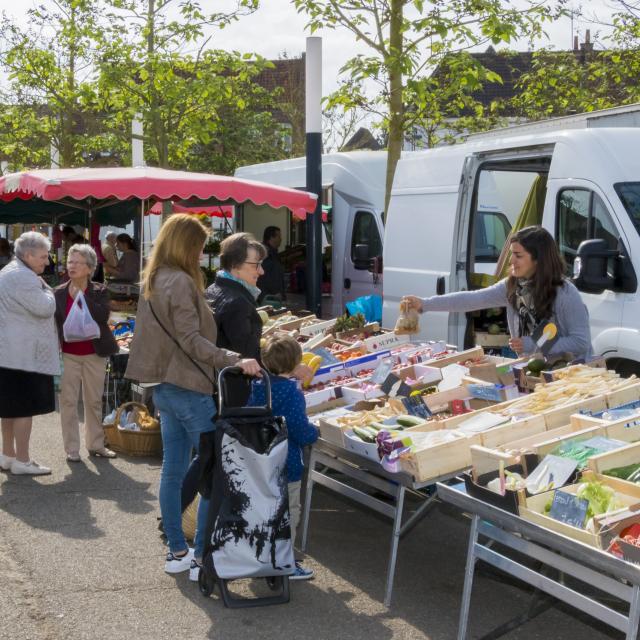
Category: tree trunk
<point>396,105</point>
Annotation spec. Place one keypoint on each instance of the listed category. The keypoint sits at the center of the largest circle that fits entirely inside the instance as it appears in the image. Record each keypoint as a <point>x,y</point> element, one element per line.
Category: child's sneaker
<point>194,570</point>
<point>301,573</point>
<point>177,564</point>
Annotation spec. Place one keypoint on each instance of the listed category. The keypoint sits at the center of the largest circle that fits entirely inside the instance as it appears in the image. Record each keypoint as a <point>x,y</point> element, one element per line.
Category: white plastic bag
<point>79,325</point>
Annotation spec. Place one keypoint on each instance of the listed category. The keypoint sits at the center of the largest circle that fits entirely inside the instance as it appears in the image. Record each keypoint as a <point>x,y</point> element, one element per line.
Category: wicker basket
<point>189,519</point>
<point>146,442</point>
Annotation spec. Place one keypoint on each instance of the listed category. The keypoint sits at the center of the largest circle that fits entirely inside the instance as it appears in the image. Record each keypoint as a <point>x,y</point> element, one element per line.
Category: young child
<point>280,356</point>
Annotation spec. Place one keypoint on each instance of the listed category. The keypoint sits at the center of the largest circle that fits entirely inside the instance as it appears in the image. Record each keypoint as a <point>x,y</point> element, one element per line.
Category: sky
<point>276,29</point>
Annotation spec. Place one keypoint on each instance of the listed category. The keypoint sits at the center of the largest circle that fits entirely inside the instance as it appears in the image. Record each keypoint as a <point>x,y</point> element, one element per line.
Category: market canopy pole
<point>313,92</point>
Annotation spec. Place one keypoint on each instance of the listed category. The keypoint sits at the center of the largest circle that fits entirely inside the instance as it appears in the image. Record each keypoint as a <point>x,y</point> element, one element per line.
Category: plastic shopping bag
<point>79,325</point>
<point>369,306</point>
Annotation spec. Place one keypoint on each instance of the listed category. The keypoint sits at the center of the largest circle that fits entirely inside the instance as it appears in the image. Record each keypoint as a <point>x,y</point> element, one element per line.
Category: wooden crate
<point>485,460</point>
<point>532,509</point>
<point>529,442</point>
<point>627,429</point>
<point>505,433</point>
<point>460,356</point>
<point>440,460</point>
<point>547,446</point>
<point>617,458</point>
<point>560,416</point>
<point>623,396</point>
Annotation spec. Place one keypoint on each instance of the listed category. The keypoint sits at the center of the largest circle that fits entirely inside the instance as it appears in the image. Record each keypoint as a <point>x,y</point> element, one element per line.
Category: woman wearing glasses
<point>233,298</point>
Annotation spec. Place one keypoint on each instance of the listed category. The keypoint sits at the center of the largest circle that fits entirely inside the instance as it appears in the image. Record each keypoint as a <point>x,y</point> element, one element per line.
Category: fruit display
<point>574,383</point>
<point>348,323</point>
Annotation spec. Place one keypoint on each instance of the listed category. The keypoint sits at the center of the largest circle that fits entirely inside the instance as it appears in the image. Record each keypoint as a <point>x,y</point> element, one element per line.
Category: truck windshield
<point>629,194</point>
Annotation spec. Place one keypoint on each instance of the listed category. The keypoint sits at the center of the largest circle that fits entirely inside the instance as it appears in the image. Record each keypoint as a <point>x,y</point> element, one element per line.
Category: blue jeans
<point>184,415</point>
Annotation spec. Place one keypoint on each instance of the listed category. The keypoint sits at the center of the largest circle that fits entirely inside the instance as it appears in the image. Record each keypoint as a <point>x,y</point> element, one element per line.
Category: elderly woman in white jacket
<point>29,355</point>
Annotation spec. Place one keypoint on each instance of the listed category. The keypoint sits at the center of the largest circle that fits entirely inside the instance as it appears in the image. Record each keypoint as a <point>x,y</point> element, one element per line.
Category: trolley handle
<point>238,370</point>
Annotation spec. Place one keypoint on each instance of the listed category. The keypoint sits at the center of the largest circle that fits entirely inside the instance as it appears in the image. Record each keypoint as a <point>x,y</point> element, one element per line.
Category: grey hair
<point>111,234</point>
<point>87,252</point>
<point>29,242</point>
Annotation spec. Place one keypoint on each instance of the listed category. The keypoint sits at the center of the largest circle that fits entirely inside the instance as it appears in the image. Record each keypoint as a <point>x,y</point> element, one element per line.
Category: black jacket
<point>239,329</point>
<point>272,282</point>
<point>99,308</point>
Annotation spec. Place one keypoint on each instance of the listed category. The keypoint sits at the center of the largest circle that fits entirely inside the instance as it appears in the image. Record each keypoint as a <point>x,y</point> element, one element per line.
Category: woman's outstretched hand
<point>250,367</point>
<point>412,302</point>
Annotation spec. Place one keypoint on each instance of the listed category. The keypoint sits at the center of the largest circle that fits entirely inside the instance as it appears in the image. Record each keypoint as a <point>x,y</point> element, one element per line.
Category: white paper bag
<point>79,325</point>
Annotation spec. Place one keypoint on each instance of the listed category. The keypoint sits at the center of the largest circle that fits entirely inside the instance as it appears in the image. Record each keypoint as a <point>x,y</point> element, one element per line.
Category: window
<point>365,231</point>
<point>491,231</point>
<point>582,215</point>
<point>629,194</point>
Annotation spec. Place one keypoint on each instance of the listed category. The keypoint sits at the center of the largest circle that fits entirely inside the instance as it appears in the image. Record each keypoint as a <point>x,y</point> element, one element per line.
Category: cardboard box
<point>451,358</point>
<point>317,327</point>
<point>385,341</point>
<point>365,449</point>
<point>495,370</point>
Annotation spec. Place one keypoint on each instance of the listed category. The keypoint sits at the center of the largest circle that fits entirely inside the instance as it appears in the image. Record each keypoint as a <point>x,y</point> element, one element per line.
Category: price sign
<point>416,407</point>
<point>394,386</point>
<point>569,509</point>
<point>382,371</point>
<point>327,357</point>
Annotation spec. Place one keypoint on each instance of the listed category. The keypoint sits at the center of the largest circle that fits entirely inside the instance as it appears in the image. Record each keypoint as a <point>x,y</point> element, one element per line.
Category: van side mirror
<point>590,272</point>
<point>361,259</point>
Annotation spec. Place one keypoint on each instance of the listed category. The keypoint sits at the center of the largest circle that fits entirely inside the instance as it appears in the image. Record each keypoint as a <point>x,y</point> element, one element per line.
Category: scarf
<point>525,307</point>
<point>254,291</point>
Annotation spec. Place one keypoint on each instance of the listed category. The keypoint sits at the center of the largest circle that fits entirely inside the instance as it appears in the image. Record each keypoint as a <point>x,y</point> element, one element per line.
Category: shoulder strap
<point>202,371</point>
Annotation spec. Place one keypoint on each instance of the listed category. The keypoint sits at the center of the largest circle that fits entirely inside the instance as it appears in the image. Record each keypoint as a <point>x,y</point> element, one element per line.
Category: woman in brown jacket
<point>84,363</point>
<point>174,347</point>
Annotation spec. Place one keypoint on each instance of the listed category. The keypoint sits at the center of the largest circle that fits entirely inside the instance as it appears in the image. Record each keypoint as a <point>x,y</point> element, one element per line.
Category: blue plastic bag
<point>369,306</point>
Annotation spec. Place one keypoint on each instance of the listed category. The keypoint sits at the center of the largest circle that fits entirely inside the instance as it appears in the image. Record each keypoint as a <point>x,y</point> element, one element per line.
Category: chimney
<point>587,45</point>
<point>576,45</point>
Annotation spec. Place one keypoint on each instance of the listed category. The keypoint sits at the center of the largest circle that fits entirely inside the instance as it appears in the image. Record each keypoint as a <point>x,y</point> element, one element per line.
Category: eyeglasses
<point>76,262</point>
<point>257,265</point>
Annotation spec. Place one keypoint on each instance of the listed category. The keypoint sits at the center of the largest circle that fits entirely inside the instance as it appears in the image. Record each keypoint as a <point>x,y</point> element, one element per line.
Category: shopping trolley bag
<point>249,534</point>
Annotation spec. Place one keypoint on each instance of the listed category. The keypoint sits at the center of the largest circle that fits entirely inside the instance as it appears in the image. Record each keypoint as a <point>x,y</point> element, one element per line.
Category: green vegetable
<point>629,472</point>
<point>364,434</point>
<point>602,498</point>
<point>408,421</point>
<point>536,365</point>
<point>575,450</point>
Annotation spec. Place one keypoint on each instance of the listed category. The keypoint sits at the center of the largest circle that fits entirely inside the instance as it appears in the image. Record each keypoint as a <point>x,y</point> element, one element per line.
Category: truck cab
<point>353,201</point>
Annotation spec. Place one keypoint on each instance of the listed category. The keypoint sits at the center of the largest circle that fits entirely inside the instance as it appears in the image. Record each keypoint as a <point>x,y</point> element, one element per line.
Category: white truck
<point>577,176</point>
<point>353,199</point>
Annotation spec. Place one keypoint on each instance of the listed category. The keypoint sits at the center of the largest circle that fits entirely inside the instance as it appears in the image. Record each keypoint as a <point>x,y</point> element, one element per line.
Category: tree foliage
<point>407,40</point>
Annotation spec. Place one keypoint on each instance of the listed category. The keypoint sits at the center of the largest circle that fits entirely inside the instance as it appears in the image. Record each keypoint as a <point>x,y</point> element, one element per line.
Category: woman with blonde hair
<point>174,347</point>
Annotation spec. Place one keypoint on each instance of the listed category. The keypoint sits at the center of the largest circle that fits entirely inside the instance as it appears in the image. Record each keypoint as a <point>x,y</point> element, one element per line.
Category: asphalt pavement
<point>81,557</point>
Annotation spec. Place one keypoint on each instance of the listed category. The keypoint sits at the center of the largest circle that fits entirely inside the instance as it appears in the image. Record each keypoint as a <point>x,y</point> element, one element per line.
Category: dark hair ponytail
<point>550,269</point>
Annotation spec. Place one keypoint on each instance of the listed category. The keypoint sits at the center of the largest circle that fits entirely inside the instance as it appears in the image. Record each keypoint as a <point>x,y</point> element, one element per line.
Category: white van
<point>353,199</point>
<point>580,184</point>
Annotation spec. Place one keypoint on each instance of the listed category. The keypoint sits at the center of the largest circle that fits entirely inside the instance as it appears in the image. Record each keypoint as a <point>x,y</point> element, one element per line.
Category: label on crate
<point>569,509</point>
<point>416,407</point>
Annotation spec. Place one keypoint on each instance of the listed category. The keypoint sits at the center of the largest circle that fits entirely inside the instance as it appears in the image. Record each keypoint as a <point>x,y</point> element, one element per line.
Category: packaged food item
<point>407,322</point>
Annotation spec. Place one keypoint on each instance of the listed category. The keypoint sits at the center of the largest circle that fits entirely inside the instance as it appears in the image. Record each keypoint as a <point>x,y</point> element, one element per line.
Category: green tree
<point>564,82</point>
<point>50,97</point>
<point>408,39</point>
<point>188,94</point>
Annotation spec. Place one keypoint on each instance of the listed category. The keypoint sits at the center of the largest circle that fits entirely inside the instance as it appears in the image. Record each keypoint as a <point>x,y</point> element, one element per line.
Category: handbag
<point>79,326</point>
<point>195,364</point>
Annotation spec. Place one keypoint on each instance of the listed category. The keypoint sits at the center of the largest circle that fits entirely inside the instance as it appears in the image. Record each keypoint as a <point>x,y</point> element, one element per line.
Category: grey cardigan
<point>28,335</point>
<point>569,314</point>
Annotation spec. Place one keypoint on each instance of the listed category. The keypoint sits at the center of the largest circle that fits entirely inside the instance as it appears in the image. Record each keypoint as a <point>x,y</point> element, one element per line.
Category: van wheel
<point>624,367</point>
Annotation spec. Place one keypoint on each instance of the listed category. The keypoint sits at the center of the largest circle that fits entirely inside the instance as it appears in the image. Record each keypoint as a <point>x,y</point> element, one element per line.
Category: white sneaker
<point>31,468</point>
<point>194,570</point>
<point>178,564</point>
<point>5,462</point>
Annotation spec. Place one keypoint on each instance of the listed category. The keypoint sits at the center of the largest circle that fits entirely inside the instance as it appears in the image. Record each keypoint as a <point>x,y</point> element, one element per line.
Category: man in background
<point>109,253</point>
<point>272,282</point>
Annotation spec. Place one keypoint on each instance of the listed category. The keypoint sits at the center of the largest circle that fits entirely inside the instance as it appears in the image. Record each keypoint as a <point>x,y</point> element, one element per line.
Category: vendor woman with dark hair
<point>535,294</point>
